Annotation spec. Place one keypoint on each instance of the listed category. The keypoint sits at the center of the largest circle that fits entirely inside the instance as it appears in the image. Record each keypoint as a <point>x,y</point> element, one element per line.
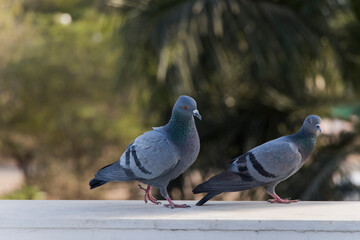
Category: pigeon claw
<point>277,199</point>
<point>172,206</point>
<point>286,201</point>
<point>155,201</point>
<point>148,195</point>
<point>169,206</point>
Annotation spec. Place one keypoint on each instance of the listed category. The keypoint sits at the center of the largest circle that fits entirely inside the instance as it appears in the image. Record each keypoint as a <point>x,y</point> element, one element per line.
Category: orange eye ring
<point>185,107</point>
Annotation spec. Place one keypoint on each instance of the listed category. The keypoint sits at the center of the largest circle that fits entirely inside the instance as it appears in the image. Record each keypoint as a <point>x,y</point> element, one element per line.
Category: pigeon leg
<point>145,196</point>
<point>277,199</point>
<point>148,195</point>
<point>173,205</point>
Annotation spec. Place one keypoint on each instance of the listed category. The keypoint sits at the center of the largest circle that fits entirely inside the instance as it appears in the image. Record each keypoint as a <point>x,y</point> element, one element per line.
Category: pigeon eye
<point>185,107</point>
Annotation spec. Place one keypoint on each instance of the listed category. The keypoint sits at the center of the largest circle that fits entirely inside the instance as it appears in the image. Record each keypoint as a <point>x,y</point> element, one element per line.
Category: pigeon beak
<point>318,127</point>
<point>197,114</point>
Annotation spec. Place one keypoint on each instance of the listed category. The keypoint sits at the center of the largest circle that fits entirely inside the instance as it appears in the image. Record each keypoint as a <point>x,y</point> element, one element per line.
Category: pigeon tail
<point>94,183</point>
<point>206,198</point>
<point>227,181</point>
<point>111,172</point>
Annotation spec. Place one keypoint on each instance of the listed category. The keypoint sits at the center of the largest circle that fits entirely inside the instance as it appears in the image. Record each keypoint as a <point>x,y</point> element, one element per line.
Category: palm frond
<point>182,45</point>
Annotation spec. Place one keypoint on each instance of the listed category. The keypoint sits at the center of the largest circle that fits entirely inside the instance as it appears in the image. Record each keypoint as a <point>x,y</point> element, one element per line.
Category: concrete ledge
<point>133,220</point>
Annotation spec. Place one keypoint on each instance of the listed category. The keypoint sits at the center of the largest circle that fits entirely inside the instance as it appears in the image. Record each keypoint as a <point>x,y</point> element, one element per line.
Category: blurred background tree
<point>80,79</point>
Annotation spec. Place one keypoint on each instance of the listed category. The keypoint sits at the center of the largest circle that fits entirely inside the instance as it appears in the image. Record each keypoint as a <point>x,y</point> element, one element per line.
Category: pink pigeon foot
<point>277,199</point>
<point>148,195</point>
<point>173,205</point>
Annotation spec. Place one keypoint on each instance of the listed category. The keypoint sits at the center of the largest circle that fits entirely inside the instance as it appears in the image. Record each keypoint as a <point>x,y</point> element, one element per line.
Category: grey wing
<point>270,162</point>
<point>150,155</point>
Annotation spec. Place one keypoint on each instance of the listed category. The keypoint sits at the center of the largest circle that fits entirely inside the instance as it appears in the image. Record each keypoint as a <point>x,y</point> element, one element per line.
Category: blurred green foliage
<point>26,193</point>
<point>58,103</point>
<point>80,79</point>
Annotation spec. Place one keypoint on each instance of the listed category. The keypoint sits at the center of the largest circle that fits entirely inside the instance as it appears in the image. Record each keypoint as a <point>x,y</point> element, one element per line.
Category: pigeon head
<point>311,125</point>
<point>187,106</point>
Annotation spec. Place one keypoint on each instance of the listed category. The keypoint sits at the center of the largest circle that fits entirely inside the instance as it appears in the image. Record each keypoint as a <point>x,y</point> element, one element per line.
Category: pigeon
<point>265,165</point>
<point>160,155</point>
